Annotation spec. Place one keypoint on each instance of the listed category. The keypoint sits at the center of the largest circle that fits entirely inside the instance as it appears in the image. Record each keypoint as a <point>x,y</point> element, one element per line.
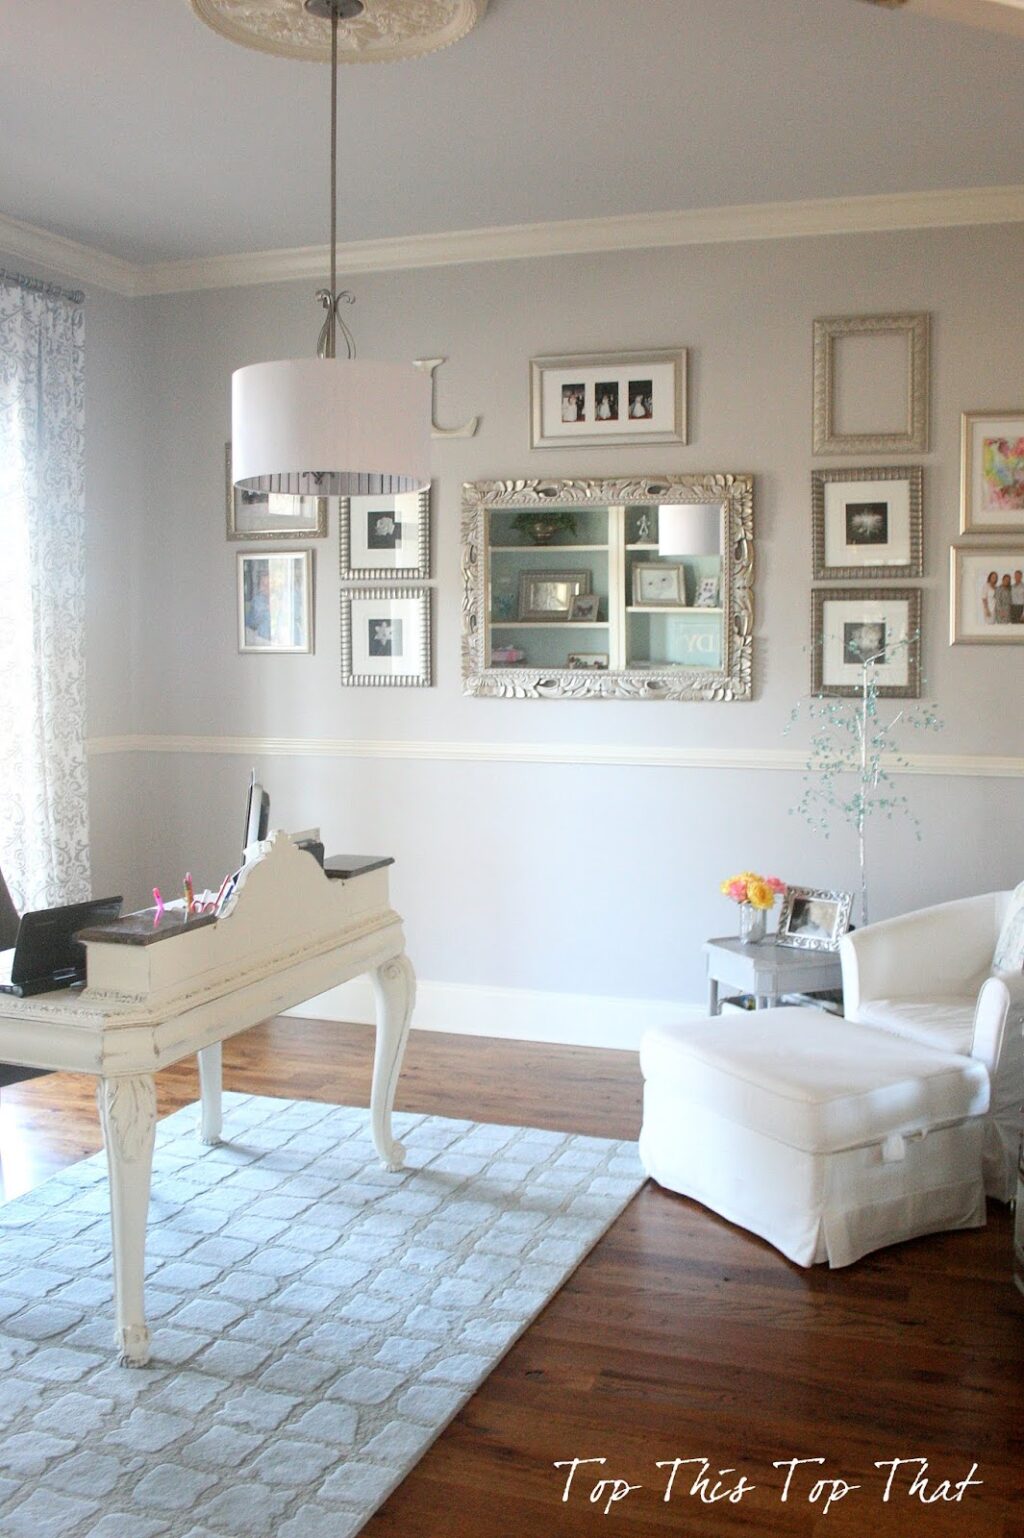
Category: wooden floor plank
<point>680,1336</point>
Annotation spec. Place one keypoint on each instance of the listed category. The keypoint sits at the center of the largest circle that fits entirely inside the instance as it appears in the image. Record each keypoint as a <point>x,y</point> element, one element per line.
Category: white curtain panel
<point>44,831</point>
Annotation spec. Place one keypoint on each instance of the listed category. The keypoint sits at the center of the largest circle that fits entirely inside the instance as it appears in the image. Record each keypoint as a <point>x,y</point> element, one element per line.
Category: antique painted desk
<point>288,933</point>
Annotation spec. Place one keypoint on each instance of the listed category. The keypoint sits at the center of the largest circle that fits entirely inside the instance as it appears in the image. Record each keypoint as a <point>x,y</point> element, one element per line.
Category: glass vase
<point>753,923</point>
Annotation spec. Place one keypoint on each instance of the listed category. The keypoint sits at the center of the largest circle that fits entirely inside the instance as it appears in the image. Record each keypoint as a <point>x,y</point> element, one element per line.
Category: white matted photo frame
<point>986,594</point>
<point>867,523</point>
<point>659,585</point>
<point>384,537</point>
<point>880,627</point>
<point>813,919</point>
<point>992,472</point>
<point>613,398</point>
<point>386,637</point>
<point>871,384</point>
<point>275,601</point>
<point>266,515</point>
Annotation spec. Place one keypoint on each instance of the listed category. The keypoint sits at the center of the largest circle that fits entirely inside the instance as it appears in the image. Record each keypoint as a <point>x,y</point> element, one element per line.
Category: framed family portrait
<point>546,596</point>
<point>812,919</point>
<point>867,523</point>
<point>266,515</point>
<point>275,605</point>
<point>385,637</point>
<point>381,537</point>
<point>614,398</point>
<point>659,585</point>
<point>986,599</point>
<point>854,628</point>
<point>871,384</point>
<point>992,472</point>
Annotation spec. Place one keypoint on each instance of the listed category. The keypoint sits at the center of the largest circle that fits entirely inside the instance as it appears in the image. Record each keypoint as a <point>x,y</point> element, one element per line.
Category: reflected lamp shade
<point>331,427</point>
<point>690,528</point>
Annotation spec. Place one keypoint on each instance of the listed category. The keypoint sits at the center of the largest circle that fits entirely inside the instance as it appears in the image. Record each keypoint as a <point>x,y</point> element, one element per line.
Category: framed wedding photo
<point>275,603</point>
<point>266,515</point>
<point>382,537</point>
<point>614,398</point>
<point>812,919</point>
<point>385,637</point>
<point>856,627</point>
<point>992,472</point>
<point>867,523</point>
<point>986,596</point>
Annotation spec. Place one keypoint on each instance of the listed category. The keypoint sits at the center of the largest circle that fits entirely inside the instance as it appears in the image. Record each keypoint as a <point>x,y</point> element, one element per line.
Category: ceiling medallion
<point>386,29</point>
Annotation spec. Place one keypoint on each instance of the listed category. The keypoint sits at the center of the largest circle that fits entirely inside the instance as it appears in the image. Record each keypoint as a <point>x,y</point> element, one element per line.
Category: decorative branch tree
<point>853,741</point>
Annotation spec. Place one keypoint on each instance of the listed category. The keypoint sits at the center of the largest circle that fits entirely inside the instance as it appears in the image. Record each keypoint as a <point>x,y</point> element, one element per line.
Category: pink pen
<point>158,915</point>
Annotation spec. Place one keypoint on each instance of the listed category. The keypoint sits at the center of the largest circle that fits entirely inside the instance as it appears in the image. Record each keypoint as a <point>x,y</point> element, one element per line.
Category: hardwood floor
<point>679,1337</point>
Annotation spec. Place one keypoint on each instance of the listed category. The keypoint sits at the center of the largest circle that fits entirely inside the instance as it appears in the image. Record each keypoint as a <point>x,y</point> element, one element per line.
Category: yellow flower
<point>759,893</point>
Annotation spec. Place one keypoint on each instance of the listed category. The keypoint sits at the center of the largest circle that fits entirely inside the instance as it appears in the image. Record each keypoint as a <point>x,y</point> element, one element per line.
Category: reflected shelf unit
<point>529,546</point>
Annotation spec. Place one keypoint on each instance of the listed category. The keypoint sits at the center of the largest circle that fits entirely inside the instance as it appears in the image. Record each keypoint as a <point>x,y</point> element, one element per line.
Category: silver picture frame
<point>891,495</point>
<point>610,398</point>
<point>364,551</point>
<point>250,515</point>
<point>976,616</point>
<point>644,572</point>
<point>275,602</point>
<point>531,582</point>
<point>876,611</point>
<point>381,626</point>
<point>813,918</point>
<point>907,437</point>
<point>992,494</point>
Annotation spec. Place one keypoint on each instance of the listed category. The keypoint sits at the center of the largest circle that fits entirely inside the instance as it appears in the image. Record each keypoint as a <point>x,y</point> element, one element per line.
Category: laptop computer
<point>45,955</point>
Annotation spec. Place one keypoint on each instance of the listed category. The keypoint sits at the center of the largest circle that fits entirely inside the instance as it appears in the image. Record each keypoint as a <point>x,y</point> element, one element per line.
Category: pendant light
<point>329,426</point>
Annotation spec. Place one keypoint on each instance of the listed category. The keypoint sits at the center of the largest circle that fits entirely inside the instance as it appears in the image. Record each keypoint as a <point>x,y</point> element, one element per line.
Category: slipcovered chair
<point>929,977</point>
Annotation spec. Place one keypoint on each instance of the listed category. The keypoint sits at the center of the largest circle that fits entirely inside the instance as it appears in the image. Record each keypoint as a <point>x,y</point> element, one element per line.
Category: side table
<point>768,970</point>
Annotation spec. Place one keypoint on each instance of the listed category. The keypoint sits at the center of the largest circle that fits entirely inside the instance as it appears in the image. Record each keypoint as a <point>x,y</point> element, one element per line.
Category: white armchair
<point>927,977</point>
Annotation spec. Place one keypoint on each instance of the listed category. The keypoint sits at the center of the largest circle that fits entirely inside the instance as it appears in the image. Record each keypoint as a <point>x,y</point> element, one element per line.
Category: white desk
<point>289,934</point>
<point>768,970</point>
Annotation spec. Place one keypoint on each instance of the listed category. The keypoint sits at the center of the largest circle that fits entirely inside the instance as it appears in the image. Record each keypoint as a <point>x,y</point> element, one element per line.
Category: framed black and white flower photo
<point>873,629</point>
<point>867,523</point>
<point>614,398</point>
<point>385,637</point>
<point>381,537</point>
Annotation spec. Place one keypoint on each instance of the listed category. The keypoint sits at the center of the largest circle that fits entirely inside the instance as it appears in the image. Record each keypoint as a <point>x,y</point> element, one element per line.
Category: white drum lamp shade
<point>331,427</point>
<point>690,528</point>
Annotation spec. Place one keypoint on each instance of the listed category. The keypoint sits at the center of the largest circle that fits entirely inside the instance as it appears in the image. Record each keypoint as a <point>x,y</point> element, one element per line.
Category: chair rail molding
<point>609,755</point>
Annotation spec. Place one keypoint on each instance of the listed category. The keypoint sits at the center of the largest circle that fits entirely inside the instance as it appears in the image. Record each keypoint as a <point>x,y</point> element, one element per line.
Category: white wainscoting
<point>516,1014</point>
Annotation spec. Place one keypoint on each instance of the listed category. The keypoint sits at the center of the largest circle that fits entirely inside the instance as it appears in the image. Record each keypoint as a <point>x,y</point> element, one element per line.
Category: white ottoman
<point>827,1138</point>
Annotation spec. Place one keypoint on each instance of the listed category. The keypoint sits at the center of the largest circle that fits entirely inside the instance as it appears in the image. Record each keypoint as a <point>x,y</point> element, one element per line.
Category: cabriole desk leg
<point>128,1116</point>
<point>394,985</point>
<point>210,1093</point>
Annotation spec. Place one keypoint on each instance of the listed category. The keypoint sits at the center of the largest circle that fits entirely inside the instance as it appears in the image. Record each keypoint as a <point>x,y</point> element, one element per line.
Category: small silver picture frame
<point>909,436</point>
<point>262,515</point>
<point>383,539</point>
<point>813,919</point>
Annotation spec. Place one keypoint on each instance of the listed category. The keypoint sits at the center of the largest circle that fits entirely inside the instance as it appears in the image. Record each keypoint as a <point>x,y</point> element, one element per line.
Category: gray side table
<point>768,970</point>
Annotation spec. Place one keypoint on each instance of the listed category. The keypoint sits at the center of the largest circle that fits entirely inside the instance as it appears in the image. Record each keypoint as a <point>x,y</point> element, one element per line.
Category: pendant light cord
<point>326,346</point>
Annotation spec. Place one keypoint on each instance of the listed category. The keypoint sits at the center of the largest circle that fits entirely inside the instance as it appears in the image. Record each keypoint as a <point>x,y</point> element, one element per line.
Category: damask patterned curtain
<point>44,830</point>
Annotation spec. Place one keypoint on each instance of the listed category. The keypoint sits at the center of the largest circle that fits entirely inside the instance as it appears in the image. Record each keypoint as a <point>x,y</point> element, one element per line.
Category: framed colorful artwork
<point>992,472</point>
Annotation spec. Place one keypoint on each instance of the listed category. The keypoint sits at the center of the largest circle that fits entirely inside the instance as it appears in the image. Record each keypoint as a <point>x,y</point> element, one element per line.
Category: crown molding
<point>598,755</point>
<point>949,208</point>
<point>69,258</point>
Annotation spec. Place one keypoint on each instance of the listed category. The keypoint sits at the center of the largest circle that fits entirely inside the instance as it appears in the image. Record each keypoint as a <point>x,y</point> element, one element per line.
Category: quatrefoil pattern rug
<point>317,1321</point>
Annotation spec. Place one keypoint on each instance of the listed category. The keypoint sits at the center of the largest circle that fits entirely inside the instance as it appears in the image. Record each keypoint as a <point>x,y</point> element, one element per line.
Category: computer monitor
<point>257,814</point>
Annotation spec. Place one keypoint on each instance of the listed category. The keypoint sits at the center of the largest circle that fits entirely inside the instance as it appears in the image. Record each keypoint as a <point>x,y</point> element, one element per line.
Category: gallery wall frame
<point>978,614</point>
<point>850,625</point>
<point>383,539</point>
<point>275,601</point>
<point>386,637</point>
<point>992,472</point>
<point>266,516</point>
<point>608,398</point>
<point>909,436</point>
<point>875,513</point>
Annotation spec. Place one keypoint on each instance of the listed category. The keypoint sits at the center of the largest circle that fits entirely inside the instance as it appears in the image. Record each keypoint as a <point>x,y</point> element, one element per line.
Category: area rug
<point>316,1320</point>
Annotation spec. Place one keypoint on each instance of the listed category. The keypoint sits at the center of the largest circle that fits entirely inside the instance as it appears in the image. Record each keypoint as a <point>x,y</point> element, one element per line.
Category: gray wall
<point>563,878</point>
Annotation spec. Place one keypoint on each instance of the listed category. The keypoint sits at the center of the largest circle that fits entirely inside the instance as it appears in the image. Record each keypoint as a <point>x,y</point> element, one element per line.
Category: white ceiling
<point>131,127</point>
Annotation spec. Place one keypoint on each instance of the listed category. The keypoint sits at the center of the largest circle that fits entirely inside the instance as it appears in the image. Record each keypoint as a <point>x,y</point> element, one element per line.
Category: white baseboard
<point>516,1014</point>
